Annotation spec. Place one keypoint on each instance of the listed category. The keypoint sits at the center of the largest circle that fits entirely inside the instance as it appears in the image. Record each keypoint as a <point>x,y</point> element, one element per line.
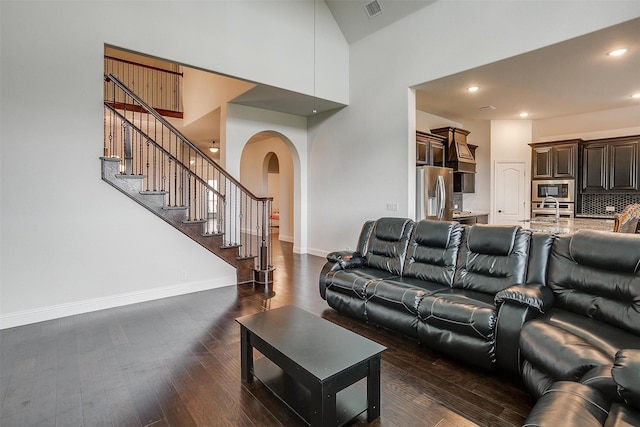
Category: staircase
<point>151,162</point>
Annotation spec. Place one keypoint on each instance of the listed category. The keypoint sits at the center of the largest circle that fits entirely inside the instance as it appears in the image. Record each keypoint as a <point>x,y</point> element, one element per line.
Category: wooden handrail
<point>144,65</point>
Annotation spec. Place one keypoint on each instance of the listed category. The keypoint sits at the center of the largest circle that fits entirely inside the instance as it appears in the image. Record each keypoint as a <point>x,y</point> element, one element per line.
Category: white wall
<point>360,156</point>
<point>70,242</point>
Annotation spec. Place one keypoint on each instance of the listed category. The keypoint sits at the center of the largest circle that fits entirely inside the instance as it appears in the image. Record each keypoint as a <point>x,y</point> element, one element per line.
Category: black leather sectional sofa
<point>563,312</point>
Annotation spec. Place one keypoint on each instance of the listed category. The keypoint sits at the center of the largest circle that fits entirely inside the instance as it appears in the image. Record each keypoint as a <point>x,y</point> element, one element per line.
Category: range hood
<point>459,155</point>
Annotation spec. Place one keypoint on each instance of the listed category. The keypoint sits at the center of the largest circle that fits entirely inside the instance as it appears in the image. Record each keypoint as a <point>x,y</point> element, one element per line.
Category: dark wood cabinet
<point>541,161</point>
<point>430,149</point>
<point>465,182</point>
<point>623,166</point>
<point>554,159</point>
<point>611,165</point>
<point>594,167</point>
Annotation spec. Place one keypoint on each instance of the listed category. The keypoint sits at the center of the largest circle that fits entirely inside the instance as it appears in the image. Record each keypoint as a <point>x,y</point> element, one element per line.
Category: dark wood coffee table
<point>312,365</point>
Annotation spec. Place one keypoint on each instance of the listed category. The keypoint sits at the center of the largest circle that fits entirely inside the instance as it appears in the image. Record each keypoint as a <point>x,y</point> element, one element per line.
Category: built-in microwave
<point>561,189</point>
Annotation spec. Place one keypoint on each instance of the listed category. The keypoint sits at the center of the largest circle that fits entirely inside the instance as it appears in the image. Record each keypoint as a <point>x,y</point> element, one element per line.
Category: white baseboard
<point>284,238</point>
<point>69,309</point>
<point>317,252</point>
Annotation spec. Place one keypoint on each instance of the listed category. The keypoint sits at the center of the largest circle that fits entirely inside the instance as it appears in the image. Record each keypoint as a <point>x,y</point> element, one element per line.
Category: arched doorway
<point>266,168</point>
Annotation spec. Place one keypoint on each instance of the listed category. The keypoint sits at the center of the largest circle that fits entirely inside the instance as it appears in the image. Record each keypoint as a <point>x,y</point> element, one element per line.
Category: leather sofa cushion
<point>603,294</point>
<point>401,292</point>
<point>492,239</point>
<point>622,416</point>
<point>388,244</point>
<point>626,373</point>
<point>566,345</point>
<point>432,251</point>
<point>463,312</point>
<point>356,280</point>
<point>567,403</point>
<point>622,250</point>
<point>487,272</point>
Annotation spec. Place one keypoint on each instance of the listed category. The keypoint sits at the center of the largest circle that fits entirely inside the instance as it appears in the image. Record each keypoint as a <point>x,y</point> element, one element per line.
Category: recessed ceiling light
<point>635,95</point>
<point>524,115</point>
<point>617,52</point>
<point>472,89</point>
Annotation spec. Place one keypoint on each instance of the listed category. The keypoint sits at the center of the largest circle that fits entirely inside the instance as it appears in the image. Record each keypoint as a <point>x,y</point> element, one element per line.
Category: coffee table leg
<point>323,405</point>
<point>373,389</point>
<point>246,356</point>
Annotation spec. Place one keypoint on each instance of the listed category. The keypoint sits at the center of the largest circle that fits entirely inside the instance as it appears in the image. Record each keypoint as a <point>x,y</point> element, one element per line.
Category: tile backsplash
<point>596,204</point>
<point>457,201</point>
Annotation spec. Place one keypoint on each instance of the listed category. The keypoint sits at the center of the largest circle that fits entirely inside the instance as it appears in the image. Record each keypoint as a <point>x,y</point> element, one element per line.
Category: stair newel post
<point>264,274</point>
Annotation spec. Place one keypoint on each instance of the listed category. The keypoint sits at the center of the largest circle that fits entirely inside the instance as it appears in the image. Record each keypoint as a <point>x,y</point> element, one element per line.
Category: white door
<point>510,193</point>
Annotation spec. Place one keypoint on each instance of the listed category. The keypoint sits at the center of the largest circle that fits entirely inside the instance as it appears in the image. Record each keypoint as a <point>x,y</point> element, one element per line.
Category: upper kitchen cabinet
<point>430,149</point>
<point>611,165</point>
<point>554,159</point>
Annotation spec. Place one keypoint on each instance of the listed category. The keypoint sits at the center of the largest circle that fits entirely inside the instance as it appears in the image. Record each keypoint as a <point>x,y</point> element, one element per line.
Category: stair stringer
<point>132,186</point>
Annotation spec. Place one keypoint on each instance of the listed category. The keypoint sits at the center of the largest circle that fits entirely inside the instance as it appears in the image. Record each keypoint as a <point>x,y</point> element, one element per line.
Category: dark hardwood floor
<point>175,362</point>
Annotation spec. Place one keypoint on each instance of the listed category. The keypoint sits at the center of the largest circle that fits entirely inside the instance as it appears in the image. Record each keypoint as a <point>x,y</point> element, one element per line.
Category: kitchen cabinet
<point>556,159</point>
<point>464,182</point>
<point>611,165</point>
<point>430,149</point>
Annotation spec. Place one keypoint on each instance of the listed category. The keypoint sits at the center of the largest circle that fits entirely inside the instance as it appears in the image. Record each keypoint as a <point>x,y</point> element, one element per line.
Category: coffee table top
<point>320,347</point>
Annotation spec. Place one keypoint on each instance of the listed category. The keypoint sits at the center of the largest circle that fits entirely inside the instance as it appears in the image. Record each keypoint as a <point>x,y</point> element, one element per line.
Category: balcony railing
<point>159,88</point>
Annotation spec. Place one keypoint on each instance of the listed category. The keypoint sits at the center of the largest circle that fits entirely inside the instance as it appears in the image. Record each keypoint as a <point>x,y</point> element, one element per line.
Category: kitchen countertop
<point>568,225</point>
<point>467,214</point>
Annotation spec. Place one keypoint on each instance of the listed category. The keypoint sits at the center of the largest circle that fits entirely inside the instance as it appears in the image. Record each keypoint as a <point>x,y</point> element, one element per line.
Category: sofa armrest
<point>346,259</point>
<point>517,305</point>
<point>535,296</point>
<point>626,374</point>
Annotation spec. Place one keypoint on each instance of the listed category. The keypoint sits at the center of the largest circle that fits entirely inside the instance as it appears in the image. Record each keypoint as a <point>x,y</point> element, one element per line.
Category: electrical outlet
<point>183,275</point>
<point>392,207</point>
<point>610,209</point>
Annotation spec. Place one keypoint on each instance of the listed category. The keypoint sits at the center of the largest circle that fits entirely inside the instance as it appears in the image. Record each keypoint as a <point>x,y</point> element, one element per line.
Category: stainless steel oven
<point>551,197</point>
<point>548,210</point>
<point>562,190</point>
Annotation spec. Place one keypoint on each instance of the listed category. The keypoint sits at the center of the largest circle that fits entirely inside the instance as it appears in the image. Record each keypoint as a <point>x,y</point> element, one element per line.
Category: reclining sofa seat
<point>591,307</point>
<point>462,321</point>
<point>575,404</point>
<point>379,255</point>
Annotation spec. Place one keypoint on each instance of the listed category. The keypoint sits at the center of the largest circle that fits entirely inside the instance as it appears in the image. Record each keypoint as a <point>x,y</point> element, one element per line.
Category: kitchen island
<point>565,225</point>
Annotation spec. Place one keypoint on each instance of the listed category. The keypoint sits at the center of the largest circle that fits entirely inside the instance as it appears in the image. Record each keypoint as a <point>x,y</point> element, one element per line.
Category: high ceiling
<point>354,22</point>
<point>573,77</point>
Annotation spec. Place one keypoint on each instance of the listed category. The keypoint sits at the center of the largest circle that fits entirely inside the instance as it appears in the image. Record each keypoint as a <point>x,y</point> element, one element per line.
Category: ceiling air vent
<point>373,9</point>
<point>487,108</point>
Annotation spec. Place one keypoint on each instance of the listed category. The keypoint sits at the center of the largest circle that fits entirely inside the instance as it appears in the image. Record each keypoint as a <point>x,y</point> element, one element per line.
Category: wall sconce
<point>214,148</point>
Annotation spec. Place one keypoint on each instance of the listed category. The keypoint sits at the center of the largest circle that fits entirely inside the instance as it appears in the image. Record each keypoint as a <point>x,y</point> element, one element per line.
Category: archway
<point>267,169</point>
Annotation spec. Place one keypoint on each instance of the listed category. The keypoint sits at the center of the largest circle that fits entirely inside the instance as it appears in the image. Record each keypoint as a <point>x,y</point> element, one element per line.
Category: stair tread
<point>170,208</point>
<point>194,221</point>
<point>144,193</point>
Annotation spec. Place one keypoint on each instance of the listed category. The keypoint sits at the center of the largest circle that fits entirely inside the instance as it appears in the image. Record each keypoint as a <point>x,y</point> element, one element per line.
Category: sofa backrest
<point>387,245</point>
<point>433,250</point>
<point>597,274</point>
<point>492,258</point>
<point>539,252</point>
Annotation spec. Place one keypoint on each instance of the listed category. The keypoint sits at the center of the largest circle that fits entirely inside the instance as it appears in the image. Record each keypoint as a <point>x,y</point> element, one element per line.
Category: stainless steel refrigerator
<point>434,188</point>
